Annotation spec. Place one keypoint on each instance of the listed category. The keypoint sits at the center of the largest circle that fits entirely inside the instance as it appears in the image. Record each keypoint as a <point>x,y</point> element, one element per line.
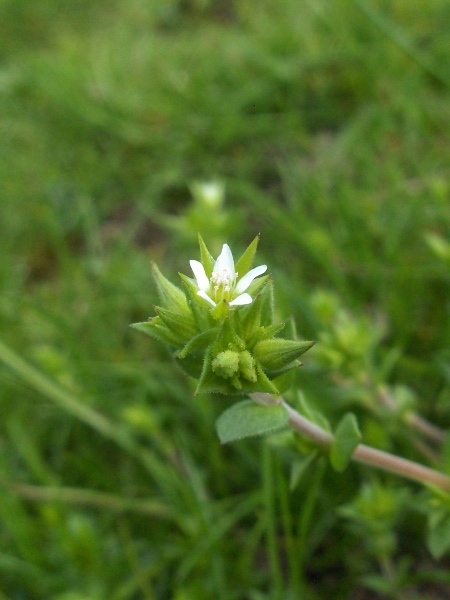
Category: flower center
<point>223,283</point>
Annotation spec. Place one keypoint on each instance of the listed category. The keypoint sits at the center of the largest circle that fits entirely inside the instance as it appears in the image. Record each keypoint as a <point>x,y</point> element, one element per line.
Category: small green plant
<point>220,329</point>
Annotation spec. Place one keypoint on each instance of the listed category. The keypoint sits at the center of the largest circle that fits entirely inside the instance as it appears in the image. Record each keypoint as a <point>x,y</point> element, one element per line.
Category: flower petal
<point>225,261</point>
<point>241,300</point>
<point>200,275</point>
<point>205,296</point>
<point>244,283</point>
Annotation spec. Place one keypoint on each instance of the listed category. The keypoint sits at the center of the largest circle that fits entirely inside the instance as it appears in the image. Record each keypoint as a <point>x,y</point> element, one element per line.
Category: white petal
<point>241,300</point>
<point>205,296</point>
<point>225,261</point>
<point>200,275</point>
<point>244,283</point>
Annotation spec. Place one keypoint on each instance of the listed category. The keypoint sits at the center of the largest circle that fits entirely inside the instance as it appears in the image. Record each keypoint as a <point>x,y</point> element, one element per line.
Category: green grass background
<point>328,121</point>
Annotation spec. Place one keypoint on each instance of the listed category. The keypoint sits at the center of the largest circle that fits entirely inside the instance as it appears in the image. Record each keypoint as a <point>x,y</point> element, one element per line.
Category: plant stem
<point>90,498</point>
<point>416,421</point>
<point>434,433</point>
<point>363,454</point>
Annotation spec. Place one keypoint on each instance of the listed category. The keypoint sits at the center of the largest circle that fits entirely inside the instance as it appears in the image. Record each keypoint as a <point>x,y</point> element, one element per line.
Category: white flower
<point>224,283</point>
<point>211,193</point>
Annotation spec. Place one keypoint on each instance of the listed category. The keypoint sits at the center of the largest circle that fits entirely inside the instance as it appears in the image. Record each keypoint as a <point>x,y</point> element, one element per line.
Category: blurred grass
<point>328,122</point>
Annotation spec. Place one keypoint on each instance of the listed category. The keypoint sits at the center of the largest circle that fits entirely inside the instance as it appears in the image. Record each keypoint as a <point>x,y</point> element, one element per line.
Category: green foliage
<point>324,128</point>
<point>439,532</point>
<point>346,437</point>
<point>247,419</point>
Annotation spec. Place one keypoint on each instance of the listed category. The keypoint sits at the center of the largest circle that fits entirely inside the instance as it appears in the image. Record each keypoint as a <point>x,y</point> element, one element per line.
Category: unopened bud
<point>226,364</point>
<point>247,366</point>
<point>278,353</point>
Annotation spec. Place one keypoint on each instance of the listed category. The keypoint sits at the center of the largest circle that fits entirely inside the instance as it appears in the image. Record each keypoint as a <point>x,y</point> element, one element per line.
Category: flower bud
<point>276,353</point>
<point>247,366</point>
<point>226,364</point>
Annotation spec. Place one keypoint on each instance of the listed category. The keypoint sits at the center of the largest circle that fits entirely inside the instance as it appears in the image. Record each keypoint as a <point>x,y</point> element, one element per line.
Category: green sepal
<point>257,285</point>
<point>205,373</point>
<point>206,259</point>
<point>171,297</point>
<point>192,365</point>
<point>165,335</point>
<point>180,324</point>
<point>265,333</point>
<point>157,330</point>
<point>278,353</point>
<point>272,373</point>
<point>145,327</point>
<point>346,438</point>
<point>250,317</point>
<point>265,385</point>
<point>213,384</point>
<point>210,382</point>
<point>286,380</point>
<point>221,310</point>
<point>226,338</point>
<point>244,264</point>
<point>199,342</point>
<point>267,305</point>
<point>198,306</point>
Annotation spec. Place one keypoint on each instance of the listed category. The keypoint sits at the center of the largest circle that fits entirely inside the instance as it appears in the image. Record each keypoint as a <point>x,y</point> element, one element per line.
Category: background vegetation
<point>328,123</point>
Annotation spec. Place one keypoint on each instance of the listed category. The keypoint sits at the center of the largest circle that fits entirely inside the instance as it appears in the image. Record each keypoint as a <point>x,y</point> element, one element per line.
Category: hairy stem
<point>363,454</point>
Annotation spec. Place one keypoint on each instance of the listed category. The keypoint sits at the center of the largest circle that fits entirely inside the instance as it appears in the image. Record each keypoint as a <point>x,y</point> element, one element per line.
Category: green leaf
<point>438,536</point>
<point>244,264</point>
<point>346,438</point>
<point>299,467</point>
<point>247,419</point>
